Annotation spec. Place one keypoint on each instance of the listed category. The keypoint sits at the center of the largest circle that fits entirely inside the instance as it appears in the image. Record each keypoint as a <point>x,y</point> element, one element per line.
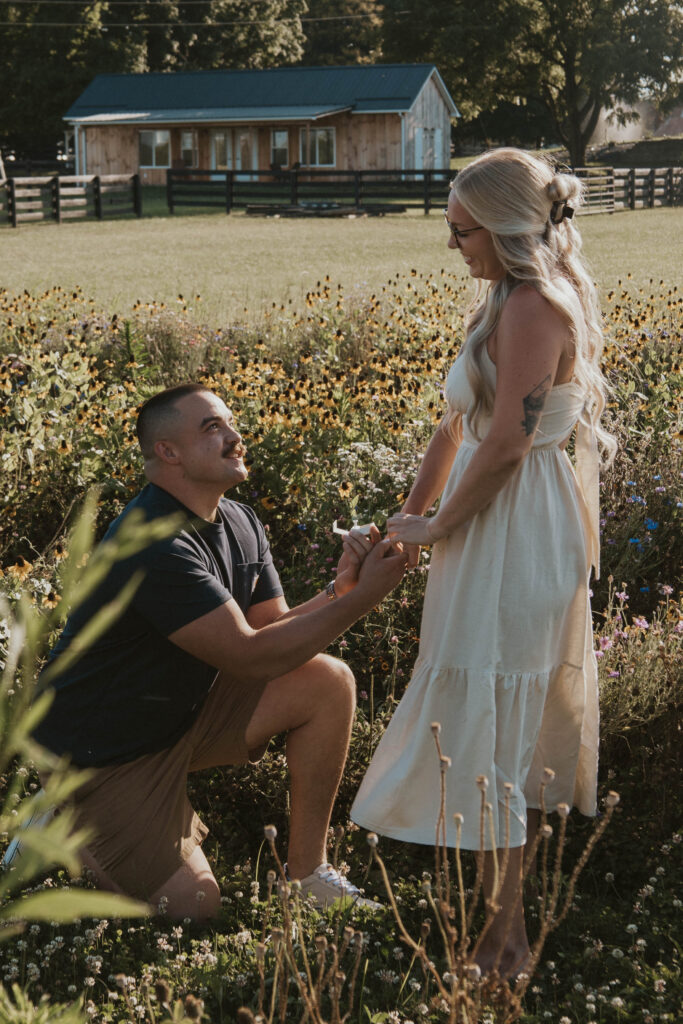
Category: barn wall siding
<point>428,130</point>
<point>363,141</point>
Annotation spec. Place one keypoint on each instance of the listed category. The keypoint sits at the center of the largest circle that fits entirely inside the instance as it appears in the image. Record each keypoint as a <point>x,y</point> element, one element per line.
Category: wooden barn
<point>362,117</point>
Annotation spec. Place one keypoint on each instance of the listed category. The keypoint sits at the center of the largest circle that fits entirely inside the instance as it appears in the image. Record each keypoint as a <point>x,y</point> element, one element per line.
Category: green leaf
<point>65,905</point>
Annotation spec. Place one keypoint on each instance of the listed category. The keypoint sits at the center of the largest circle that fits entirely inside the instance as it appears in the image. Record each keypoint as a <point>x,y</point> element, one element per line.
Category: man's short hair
<point>155,414</point>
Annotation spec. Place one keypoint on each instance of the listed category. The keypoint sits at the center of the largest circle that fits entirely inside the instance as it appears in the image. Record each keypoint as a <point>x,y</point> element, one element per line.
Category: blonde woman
<point>506,664</point>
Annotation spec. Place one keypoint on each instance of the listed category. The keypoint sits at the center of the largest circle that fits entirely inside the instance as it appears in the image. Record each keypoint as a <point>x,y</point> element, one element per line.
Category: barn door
<point>417,163</point>
<point>221,150</point>
<point>439,161</point>
<point>246,152</point>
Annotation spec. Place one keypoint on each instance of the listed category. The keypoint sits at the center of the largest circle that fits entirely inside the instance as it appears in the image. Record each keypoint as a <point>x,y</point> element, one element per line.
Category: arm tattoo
<point>533,405</point>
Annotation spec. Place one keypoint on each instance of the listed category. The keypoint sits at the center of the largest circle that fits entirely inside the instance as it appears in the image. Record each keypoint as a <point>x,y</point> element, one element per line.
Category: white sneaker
<point>13,851</point>
<point>328,887</point>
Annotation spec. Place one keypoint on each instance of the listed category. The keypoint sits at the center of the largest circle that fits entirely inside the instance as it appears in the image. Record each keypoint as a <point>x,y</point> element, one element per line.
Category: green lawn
<point>237,262</point>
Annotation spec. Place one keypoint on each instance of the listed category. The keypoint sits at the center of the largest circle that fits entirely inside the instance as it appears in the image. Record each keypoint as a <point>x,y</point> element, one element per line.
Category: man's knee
<point>338,677</point>
<point>191,892</point>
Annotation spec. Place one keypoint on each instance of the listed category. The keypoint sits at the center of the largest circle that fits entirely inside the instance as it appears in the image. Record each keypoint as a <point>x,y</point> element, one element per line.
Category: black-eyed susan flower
<point>21,568</point>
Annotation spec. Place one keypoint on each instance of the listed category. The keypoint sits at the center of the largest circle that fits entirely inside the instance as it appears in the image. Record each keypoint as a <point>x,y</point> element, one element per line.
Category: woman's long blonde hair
<point>519,199</point>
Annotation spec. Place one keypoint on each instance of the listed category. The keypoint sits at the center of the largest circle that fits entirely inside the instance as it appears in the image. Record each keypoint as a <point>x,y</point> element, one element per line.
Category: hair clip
<point>561,207</point>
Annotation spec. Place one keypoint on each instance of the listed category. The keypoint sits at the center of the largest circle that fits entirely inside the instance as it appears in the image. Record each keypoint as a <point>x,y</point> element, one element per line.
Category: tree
<point>342,32</point>
<point>577,56</point>
<point>52,49</point>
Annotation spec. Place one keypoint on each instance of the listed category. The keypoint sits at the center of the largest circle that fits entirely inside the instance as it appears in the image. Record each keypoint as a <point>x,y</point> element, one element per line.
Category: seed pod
<point>194,1007</point>
<point>162,990</point>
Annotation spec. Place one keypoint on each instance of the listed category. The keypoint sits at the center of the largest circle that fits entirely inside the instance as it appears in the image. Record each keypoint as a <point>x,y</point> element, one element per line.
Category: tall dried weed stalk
<point>460,992</point>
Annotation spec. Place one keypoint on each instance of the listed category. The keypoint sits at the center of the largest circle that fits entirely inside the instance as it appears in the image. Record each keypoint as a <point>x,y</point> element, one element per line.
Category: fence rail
<point>308,191</point>
<point>311,192</point>
<point>70,196</point>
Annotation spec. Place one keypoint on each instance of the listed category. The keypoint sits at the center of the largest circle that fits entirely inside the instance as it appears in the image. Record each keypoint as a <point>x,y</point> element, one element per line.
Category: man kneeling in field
<point>205,665</point>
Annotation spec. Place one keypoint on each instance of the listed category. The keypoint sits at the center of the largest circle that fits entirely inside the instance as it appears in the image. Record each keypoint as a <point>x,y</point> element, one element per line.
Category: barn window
<point>279,148</point>
<point>188,149</point>
<point>320,151</point>
<point>155,149</point>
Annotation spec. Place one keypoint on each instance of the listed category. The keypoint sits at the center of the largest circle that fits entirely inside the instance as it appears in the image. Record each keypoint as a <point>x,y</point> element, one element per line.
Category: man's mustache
<point>235,450</point>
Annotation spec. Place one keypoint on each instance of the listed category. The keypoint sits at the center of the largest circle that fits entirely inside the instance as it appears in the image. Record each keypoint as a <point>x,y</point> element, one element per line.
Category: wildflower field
<point>336,401</point>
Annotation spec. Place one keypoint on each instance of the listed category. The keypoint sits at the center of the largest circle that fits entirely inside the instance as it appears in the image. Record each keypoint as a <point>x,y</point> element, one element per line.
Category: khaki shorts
<point>144,826</point>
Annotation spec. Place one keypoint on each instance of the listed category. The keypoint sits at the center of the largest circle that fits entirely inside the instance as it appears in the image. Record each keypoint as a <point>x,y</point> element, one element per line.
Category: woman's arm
<point>432,474</point>
<point>531,339</point>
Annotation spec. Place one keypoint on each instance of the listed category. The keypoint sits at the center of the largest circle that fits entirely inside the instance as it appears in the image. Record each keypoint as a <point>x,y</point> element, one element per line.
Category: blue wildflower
<point>651,524</point>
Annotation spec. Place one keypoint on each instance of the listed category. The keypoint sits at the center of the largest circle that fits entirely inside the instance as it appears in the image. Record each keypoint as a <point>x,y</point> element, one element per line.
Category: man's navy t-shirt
<point>134,692</point>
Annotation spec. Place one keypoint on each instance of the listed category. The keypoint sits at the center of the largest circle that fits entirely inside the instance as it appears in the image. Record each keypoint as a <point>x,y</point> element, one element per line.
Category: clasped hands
<point>407,533</point>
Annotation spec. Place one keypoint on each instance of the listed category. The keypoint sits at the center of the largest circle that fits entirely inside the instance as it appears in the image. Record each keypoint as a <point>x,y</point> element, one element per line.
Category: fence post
<point>427,190</point>
<point>56,199</point>
<point>631,188</point>
<point>228,191</point>
<point>97,195</point>
<point>137,195</point>
<point>11,202</point>
<point>294,192</point>
<point>651,180</point>
<point>169,191</point>
<point>669,187</point>
<point>356,188</point>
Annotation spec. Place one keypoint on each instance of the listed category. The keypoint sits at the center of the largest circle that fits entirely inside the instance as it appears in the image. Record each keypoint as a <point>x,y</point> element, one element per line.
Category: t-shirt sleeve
<point>177,588</point>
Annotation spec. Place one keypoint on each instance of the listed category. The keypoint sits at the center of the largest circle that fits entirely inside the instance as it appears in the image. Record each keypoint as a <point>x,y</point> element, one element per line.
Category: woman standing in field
<point>506,664</point>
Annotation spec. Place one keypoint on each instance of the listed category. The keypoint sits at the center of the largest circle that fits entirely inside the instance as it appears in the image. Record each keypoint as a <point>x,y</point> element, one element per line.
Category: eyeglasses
<point>456,232</point>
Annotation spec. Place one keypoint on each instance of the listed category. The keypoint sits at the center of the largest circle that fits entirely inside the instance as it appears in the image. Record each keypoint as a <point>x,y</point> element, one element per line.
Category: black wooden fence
<point>67,197</point>
<point>308,191</point>
<point>320,193</point>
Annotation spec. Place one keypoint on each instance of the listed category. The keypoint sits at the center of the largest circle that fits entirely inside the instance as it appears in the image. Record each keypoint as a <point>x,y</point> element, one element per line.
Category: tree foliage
<point>576,56</point>
<point>342,32</point>
<point>52,50</point>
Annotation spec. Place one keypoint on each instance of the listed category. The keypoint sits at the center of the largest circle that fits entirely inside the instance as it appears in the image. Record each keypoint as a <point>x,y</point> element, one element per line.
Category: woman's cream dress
<point>506,662</point>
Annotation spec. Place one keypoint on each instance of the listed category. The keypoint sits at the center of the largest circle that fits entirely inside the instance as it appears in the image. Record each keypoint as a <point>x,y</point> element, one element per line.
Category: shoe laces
<point>329,874</point>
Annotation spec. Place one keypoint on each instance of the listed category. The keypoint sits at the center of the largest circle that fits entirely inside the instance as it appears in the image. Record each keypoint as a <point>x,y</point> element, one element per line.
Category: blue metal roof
<point>284,93</point>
